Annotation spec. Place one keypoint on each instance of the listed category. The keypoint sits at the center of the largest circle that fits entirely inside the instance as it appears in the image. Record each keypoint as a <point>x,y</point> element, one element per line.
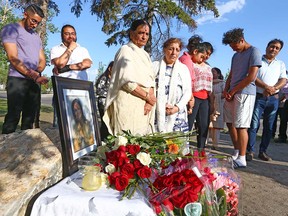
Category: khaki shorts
<point>239,111</point>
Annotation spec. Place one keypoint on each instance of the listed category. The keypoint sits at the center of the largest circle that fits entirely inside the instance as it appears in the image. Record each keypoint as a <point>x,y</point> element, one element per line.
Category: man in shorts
<point>240,91</point>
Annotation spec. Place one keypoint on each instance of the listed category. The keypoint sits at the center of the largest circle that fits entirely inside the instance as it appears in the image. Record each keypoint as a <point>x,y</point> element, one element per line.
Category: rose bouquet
<point>197,184</point>
<point>130,161</point>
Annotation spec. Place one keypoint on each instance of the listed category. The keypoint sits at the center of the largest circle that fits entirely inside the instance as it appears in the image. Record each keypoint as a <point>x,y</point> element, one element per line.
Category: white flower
<point>104,179</point>
<point>121,140</point>
<point>144,158</point>
<point>110,168</point>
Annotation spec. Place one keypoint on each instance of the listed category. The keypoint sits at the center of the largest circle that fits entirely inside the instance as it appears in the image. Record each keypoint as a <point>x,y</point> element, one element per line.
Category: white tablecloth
<point>67,198</point>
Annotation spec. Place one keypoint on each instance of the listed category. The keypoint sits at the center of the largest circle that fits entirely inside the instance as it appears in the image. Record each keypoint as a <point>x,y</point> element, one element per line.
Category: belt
<point>261,95</point>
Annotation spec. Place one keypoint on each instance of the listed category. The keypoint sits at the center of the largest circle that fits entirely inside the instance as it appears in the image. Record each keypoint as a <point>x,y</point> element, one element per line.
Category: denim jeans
<point>266,107</point>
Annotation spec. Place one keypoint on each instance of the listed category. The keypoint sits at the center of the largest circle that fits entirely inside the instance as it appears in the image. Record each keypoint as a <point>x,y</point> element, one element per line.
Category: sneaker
<point>249,156</point>
<point>263,156</point>
<point>237,164</point>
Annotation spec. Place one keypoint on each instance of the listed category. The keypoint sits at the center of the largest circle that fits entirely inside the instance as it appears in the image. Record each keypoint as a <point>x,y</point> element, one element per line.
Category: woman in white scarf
<point>130,99</point>
<point>173,84</point>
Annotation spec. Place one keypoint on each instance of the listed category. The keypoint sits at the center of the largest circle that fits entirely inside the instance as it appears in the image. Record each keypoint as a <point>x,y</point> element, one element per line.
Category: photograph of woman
<point>82,133</point>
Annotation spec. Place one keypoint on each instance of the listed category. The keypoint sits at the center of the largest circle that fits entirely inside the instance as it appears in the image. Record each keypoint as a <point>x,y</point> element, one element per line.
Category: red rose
<point>137,164</point>
<point>156,206</point>
<point>158,183</point>
<point>133,149</point>
<point>178,198</point>
<point>121,182</point>
<point>144,172</point>
<point>122,157</point>
<point>128,169</point>
<point>121,148</point>
<point>112,177</point>
<point>112,157</point>
<point>192,195</point>
<point>168,205</point>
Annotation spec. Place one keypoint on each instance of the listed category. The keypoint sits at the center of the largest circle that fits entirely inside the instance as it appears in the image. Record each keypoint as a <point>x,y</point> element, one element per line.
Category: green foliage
<point>118,15</point>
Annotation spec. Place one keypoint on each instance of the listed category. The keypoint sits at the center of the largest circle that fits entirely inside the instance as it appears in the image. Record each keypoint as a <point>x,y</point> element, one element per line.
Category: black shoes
<point>263,156</point>
<point>279,140</point>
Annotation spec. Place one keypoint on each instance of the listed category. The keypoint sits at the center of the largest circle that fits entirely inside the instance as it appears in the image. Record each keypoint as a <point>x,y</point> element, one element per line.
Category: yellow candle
<point>92,178</point>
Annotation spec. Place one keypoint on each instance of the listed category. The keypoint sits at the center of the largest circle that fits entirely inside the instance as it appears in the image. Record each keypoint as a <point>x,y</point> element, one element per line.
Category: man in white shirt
<point>69,58</point>
<point>271,77</point>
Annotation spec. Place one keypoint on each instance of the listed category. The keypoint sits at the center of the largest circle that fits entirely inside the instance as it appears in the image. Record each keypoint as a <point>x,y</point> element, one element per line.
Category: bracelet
<point>69,50</point>
<point>36,79</point>
<point>64,69</point>
<point>147,96</point>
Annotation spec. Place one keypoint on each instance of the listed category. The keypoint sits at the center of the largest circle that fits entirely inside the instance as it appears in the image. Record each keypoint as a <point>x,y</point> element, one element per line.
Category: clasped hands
<point>150,102</point>
<point>171,109</point>
<point>36,77</point>
<point>269,90</point>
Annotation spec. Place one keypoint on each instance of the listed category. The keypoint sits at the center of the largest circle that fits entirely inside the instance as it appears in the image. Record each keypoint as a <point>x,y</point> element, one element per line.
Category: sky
<point>262,21</point>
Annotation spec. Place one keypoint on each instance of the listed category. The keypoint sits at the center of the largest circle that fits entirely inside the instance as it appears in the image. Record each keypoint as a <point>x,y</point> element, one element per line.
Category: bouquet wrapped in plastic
<point>197,184</point>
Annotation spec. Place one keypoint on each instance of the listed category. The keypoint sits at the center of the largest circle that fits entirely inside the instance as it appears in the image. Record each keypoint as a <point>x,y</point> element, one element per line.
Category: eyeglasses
<point>34,21</point>
<point>69,33</point>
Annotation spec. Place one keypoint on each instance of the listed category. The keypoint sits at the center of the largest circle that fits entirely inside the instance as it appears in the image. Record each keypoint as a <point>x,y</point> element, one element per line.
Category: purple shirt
<point>28,44</point>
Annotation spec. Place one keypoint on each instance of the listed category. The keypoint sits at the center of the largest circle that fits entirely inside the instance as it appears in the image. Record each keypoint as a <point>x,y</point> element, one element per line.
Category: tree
<point>117,16</point>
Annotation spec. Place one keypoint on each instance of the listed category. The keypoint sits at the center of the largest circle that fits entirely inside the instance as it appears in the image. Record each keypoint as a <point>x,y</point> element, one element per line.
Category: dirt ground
<point>265,184</point>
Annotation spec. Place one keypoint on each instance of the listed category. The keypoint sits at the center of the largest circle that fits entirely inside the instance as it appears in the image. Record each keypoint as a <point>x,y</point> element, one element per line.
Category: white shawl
<point>123,111</point>
<point>125,70</point>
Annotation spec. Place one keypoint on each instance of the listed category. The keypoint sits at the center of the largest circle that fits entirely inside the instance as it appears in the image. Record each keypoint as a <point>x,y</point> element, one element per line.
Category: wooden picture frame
<point>77,120</point>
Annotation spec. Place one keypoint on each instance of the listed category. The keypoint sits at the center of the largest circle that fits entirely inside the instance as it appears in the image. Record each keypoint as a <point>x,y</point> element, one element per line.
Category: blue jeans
<point>266,106</point>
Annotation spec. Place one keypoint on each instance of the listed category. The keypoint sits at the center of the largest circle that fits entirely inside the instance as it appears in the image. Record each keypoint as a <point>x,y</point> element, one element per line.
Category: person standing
<point>173,87</point>
<point>282,137</point>
<point>25,53</point>
<point>102,85</point>
<point>70,60</point>
<point>217,116</point>
<point>240,91</point>
<point>131,98</point>
<point>271,77</point>
<point>201,82</point>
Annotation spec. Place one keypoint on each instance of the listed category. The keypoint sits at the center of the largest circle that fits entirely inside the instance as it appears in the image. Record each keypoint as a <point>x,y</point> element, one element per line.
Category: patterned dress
<point>181,123</point>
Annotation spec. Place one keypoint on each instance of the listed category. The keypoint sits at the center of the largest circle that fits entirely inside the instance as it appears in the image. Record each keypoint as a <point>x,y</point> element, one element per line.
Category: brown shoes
<point>263,156</point>
<point>249,156</point>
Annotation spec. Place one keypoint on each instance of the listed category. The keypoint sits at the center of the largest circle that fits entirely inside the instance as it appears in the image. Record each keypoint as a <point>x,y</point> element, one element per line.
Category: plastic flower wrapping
<point>197,184</point>
<point>174,179</point>
<point>131,161</point>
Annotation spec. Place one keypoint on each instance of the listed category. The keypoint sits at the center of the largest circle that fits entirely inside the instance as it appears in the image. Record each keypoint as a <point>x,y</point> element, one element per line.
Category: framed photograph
<point>77,119</point>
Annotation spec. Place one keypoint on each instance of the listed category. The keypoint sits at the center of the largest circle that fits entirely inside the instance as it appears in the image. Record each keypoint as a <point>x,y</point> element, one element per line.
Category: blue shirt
<point>241,63</point>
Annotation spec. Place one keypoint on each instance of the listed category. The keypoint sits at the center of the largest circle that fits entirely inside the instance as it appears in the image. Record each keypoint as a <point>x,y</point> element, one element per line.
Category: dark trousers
<point>103,129</point>
<point>283,122</point>
<point>201,111</point>
<point>22,96</point>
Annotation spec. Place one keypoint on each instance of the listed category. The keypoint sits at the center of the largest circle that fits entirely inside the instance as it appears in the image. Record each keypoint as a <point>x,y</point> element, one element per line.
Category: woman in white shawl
<point>173,84</point>
<point>130,99</point>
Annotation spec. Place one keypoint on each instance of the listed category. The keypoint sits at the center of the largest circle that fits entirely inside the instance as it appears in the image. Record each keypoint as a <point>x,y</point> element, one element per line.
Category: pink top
<point>186,59</point>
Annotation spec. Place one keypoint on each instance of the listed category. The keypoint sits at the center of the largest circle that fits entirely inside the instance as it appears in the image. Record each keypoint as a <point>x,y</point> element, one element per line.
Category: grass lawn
<point>46,114</point>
